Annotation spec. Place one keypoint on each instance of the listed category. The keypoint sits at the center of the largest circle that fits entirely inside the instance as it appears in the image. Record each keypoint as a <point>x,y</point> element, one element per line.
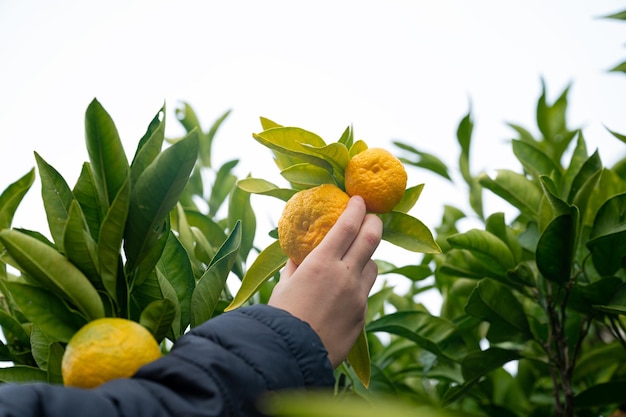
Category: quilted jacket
<point>220,368</point>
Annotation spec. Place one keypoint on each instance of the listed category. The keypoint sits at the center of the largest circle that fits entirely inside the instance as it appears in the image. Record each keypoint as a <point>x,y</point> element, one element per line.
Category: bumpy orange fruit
<point>105,349</point>
<point>307,217</point>
<point>377,176</point>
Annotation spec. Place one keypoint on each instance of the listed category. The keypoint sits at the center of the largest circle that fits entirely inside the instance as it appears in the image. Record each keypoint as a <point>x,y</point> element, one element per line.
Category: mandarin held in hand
<point>307,217</point>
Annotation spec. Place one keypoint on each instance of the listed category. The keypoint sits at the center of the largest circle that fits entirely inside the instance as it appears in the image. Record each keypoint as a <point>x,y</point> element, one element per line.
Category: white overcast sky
<point>395,70</point>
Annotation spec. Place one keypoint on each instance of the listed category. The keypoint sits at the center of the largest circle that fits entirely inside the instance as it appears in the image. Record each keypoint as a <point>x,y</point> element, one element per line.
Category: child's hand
<point>329,290</point>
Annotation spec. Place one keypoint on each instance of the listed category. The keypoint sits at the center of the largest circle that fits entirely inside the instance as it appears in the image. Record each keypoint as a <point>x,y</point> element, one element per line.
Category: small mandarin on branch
<point>377,176</point>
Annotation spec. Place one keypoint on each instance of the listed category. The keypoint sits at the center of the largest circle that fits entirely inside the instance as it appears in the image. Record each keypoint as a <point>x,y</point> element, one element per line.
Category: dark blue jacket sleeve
<point>219,368</point>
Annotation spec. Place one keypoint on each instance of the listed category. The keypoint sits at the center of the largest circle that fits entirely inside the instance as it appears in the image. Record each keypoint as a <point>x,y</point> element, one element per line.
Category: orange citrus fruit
<point>377,176</point>
<point>106,349</point>
<point>307,217</point>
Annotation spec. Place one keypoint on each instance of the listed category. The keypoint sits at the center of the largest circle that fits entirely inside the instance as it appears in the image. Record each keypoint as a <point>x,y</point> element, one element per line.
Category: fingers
<point>368,278</point>
<point>366,241</point>
<point>340,237</point>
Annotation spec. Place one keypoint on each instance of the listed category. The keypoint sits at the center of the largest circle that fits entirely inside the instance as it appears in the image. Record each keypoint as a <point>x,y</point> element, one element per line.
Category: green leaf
<point>194,188</point>
<point>268,124</point>
<point>601,394</point>
<point>263,187</point>
<point>55,358</point>
<point>608,185</point>
<point>524,134</point>
<point>266,265</point>
<point>211,284</point>
<point>463,263</point>
<point>148,263</point>
<point>211,230</point>
<point>307,175</point>
<point>189,120</point>
<point>13,331</point>
<point>495,303</point>
<point>434,334</point>
<point>516,189</point>
<point>149,145</point>
<point>12,196</point>
<point>601,357</point>
<point>578,159</point>
<point>376,303</point>
<point>156,193</point>
<point>40,346</point>
<point>588,171</point>
<point>556,248</point>
<point>617,135</point>
<point>496,225</point>
<point>359,359</point>
<point>347,137</point>
<point>222,186</point>
<point>57,198</point>
<point>535,161</point>
<point>199,251</point>
<point>240,210</point>
<point>206,143</point>
<point>86,194</point>
<point>592,194</point>
<point>110,243</point>
<point>619,15</point>
<point>320,404</point>
<point>292,141</point>
<point>478,364</point>
<point>424,160</point>
<point>203,251</point>
<point>408,232</point>
<point>607,242</point>
<point>156,287</point>
<point>413,272</point>
<point>590,297</point>
<point>53,271</point>
<point>79,246</point>
<point>46,310</point>
<point>106,153</point>
<point>557,205</point>
<point>187,117</point>
<point>410,197</point>
<point>22,374</point>
<point>621,67</point>
<point>551,120</point>
<point>357,147</point>
<point>175,267</point>
<point>48,354</point>
<point>492,252</point>
<point>336,154</point>
<point>464,137</point>
<point>158,317</point>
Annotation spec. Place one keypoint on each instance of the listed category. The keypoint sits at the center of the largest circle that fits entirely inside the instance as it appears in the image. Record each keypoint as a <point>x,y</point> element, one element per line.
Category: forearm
<point>219,368</point>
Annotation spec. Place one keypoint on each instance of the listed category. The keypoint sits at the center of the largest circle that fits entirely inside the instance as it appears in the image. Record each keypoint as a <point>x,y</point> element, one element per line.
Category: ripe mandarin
<point>307,217</point>
<point>106,349</point>
<point>377,176</point>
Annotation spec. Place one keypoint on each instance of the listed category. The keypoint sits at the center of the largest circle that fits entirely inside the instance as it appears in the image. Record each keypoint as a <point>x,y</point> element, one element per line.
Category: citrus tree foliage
<point>114,251</point>
<point>543,290</point>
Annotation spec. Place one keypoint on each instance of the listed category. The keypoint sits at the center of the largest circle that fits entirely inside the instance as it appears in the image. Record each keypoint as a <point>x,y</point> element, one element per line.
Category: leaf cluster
<point>122,245</point>
<point>529,304</point>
